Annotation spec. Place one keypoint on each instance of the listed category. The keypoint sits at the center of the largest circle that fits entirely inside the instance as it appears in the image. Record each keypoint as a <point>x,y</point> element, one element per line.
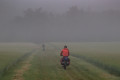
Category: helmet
<point>65,46</point>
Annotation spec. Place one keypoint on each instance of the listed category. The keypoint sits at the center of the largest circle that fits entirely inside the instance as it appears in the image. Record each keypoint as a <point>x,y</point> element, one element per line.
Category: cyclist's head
<point>65,46</point>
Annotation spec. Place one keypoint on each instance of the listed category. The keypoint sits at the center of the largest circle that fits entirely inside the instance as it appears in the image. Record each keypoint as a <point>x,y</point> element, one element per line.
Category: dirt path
<point>26,64</point>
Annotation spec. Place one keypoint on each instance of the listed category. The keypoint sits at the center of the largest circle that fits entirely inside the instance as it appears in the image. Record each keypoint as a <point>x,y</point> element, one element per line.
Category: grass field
<point>45,65</point>
<point>11,52</point>
<point>106,52</point>
<point>103,54</point>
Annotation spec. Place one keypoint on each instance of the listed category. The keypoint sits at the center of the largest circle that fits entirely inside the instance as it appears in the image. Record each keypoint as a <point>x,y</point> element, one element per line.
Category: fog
<point>59,20</point>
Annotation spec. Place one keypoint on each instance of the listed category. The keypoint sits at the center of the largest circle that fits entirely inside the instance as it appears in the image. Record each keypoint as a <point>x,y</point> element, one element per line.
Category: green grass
<point>11,52</point>
<point>46,66</point>
<point>8,57</point>
<point>102,53</point>
<point>106,52</point>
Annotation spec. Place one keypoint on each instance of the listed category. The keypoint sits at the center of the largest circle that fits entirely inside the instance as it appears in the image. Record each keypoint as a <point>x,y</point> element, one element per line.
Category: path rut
<point>25,67</point>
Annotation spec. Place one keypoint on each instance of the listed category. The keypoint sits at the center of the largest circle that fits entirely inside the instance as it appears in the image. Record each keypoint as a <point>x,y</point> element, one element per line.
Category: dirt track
<point>26,64</point>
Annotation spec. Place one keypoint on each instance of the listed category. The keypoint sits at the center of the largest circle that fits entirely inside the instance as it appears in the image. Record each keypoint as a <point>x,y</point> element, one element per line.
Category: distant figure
<point>43,46</point>
<point>65,53</point>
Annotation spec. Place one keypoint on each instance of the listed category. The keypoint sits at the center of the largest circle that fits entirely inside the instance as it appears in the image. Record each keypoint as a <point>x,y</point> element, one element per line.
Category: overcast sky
<point>62,5</point>
<point>87,28</point>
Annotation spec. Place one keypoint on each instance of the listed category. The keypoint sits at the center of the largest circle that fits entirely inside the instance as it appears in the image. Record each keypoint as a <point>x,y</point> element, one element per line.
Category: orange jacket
<point>65,52</point>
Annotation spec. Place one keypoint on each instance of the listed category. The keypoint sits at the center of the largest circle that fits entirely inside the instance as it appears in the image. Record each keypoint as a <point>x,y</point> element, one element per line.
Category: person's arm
<point>61,53</point>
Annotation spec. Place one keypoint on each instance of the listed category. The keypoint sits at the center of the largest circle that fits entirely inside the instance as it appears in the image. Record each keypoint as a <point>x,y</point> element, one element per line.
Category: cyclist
<point>65,53</point>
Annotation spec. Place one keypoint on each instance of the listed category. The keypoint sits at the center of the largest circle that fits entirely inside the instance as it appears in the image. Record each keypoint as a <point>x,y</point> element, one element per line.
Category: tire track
<point>26,65</point>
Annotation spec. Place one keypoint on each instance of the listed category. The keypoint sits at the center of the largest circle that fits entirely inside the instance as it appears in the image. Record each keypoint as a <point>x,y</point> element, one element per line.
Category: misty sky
<point>89,27</point>
<point>62,5</point>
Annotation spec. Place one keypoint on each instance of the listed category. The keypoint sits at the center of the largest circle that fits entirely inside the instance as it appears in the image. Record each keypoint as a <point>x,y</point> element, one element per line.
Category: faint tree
<point>28,13</point>
<point>36,17</point>
<point>73,11</point>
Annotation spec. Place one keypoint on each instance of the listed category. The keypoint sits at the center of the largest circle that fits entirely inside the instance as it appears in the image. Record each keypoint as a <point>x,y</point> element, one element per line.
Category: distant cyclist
<point>65,53</point>
<point>43,46</point>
